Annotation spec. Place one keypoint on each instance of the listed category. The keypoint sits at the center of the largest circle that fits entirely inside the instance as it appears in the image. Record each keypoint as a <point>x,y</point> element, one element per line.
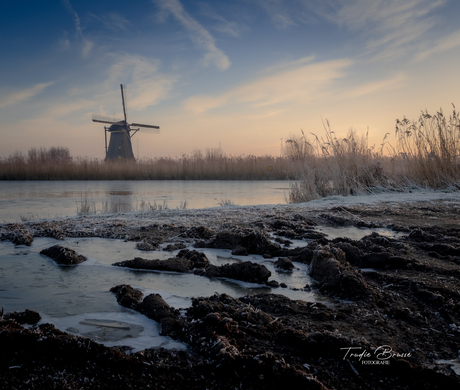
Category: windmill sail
<point>120,146</point>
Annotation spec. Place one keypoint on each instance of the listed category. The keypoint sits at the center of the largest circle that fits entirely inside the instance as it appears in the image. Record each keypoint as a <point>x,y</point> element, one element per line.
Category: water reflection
<point>50,199</point>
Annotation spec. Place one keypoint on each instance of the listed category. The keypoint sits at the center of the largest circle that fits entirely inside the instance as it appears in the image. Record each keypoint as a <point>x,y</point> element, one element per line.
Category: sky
<point>242,75</point>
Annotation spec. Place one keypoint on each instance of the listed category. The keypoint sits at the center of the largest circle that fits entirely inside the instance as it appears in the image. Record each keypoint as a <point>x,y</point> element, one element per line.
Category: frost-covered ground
<point>233,215</point>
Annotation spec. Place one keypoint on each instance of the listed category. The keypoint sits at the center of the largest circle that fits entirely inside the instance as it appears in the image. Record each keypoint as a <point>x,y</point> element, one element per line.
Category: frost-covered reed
<point>427,154</point>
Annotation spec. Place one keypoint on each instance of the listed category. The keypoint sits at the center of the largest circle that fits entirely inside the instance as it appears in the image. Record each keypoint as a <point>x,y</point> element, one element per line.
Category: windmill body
<point>120,143</point>
<point>120,147</point>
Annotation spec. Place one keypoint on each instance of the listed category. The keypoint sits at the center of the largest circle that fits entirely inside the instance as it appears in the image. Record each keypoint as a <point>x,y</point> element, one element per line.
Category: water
<point>356,233</point>
<point>77,299</point>
<point>74,298</point>
<point>50,199</point>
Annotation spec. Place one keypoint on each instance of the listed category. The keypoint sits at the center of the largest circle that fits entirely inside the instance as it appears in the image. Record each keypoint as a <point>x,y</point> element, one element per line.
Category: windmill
<point>120,146</point>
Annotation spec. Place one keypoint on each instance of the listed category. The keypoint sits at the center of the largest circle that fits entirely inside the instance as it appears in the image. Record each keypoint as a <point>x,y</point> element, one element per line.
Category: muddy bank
<point>393,321</point>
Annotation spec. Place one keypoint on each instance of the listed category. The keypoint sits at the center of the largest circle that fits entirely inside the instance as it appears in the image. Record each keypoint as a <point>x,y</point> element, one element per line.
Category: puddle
<point>355,233</point>
<point>78,298</point>
<point>454,364</point>
<point>127,329</point>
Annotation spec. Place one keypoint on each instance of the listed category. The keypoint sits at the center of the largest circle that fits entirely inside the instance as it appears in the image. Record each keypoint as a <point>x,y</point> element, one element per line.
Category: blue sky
<point>242,74</point>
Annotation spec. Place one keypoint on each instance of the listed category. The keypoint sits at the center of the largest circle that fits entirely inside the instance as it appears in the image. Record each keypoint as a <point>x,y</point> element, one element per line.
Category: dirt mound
<point>63,255</point>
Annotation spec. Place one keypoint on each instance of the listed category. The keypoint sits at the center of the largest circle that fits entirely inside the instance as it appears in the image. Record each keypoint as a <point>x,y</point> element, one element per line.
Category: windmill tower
<point>120,146</point>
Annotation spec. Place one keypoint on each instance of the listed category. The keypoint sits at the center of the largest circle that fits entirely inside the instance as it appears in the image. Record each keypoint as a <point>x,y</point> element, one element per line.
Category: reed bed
<point>17,167</point>
<point>426,154</point>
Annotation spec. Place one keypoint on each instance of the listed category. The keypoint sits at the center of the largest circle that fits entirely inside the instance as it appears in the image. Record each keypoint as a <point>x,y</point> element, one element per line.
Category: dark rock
<point>239,251</point>
<point>336,220</point>
<point>212,319</point>
<point>155,308</point>
<point>202,232</point>
<point>282,224</point>
<point>175,247</point>
<point>353,254</point>
<point>442,249</point>
<point>283,285</point>
<point>334,274</point>
<point>376,260</point>
<point>301,255</point>
<point>198,259</point>
<point>226,240</point>
<point>245,271</point>
<point>173,264</point>
<point>282,241</point>
<point>284,264</point>
<point>288,233</point>
<point>200,244</point>
<point>146,246</point>
<point>313,235</point>
<point>24,317</point>
<point>272,283</point>
<point>127,296</point>
<point>255,242</point>
<point>421,236</point>
<point>63,255</point>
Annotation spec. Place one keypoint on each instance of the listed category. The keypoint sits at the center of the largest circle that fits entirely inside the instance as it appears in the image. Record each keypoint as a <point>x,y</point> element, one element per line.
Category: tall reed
<point>427,155</point>
<point>430,148</point>
<point>186,167</point>
<point>335,166</point>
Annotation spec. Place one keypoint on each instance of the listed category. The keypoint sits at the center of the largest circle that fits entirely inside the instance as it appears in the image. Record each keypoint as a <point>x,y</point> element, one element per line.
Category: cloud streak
<point>390,26</point>
<point>444,44</point>
<point>113,21</point>
<point>300,84</point>
<point>198,34</point>
<point>147,86</point>
<point>17,97</point>
<point>87,45</point>
<point>396,81</point>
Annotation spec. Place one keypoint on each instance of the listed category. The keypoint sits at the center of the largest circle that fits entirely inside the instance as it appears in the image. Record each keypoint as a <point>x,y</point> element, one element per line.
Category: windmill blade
<point>105,119</point>
<point>141,125</point>
<point>123,99</point>
<point>148,131</point>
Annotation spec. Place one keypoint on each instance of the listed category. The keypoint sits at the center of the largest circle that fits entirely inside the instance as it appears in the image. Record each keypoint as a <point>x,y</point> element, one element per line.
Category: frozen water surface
<point>78,298</point>
<point>69,296</point>
<point>355,233</point>
<point>61,198</point>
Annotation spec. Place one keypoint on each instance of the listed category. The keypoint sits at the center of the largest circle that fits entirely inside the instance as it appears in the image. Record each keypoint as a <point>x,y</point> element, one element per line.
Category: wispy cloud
<point>301,84</point>
<point>444,44</point>
<point>389,26</point>
<point>87,44</point>
<point>198,34</point>
<point>113,21</point>
<point>15,97</point>
<point>147,86</point>
<point>396,81</point>
<point>281,13</point>
<point>223,24</point>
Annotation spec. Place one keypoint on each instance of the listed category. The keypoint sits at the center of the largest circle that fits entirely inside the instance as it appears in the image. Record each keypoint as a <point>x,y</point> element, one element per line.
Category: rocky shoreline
<point>393,321</point>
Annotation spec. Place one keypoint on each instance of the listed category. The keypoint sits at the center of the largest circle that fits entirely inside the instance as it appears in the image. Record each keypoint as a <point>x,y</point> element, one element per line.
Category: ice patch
<point>132,330</point>
<point>454,365</point>
<point>354,233</point>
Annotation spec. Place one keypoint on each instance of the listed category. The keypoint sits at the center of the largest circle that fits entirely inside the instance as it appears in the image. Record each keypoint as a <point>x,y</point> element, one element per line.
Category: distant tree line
<point>54,154</point>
